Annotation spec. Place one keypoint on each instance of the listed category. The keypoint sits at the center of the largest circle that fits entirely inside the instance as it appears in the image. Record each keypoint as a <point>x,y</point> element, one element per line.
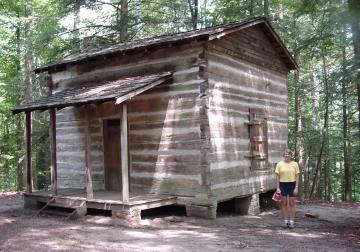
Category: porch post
<point>29,184</point>
<point>52,112</point>
<point>88,178</point>
<point>124,153</point>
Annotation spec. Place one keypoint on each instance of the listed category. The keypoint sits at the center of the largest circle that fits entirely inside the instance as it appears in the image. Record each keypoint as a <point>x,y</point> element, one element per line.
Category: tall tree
<point>346,152</point>
<point>316,182</point>
<point>354,10</point>
<point>194,11</point>
<point>76,27</point>
<point>28,58</point>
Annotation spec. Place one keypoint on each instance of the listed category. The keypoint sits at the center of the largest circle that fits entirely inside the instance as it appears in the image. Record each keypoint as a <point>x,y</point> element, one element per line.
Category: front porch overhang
<point>118,91</point>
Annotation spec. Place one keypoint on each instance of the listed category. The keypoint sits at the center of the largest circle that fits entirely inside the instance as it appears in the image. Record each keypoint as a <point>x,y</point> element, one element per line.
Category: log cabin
<point>195,119</point>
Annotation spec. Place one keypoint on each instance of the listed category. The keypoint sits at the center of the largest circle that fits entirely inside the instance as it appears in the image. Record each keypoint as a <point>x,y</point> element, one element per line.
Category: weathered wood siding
<point>164,123</point>
<point>243,72</point>
<point>164,135</point>
<point>70,137</point>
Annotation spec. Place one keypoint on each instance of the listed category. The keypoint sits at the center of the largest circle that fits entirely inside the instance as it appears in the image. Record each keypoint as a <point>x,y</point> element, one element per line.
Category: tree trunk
<point>251,8</point>
<point>76,32</point>
<point>124,21</point>
<point>28,63</point>
<point>316,182</point>
<point>326,179</point>
<point>346,153</point>
<point>299,145</point>
<point>19,126</point>
<point>354,11</point>
<point>311,149</point>
<point>194,11</point>
<point>266,8</point>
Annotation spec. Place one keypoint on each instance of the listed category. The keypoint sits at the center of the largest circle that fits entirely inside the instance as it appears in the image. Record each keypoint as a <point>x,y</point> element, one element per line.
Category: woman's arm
<point>277,182</point>
<point>296,190</point>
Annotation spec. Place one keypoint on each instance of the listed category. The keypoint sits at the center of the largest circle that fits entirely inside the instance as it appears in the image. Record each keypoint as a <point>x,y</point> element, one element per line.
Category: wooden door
<point>112,159</point>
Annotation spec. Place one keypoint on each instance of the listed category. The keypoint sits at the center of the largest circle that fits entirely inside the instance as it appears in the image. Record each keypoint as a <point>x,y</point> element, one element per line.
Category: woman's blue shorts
<point>287,188</point>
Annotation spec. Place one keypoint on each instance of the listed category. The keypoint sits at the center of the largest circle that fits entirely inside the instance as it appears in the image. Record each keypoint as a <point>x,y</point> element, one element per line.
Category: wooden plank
<point>53,150</point>
<point>124,154</point>
<point>89,184</point>
<point>29,183</point>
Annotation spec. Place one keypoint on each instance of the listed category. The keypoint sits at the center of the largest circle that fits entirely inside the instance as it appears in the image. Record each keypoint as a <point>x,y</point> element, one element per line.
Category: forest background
<point>324,95</point>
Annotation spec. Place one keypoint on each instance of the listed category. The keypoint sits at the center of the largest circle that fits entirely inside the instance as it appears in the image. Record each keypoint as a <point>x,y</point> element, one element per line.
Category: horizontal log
<point>186,74</point>
<point>219,147</point>
<point>230,75</point>
<point>220,102</point>
<point>164,124</point>
<point>222,130</point>
<point>223,175</point>
<point>160,116</point>
<point>223,97</point>
<point>276,147</point>
<point>78,159</point>
<point>77,129</point>
<point>174,168</point>
<point>224,164</point>
<point>245,58</point>
<point>139,138</point>
<point>70,124</point>
<point>166,145</point>
<point>237,47</point>
<point>163,104</point>
<point>190,86</point>
<point>111,69</point>
<point>244,68</point>
<point>78,147</point>
<point>260,44</point>
<point>219,83</point>
<point>164,158</point>
<point>235,189</point>
<point>78,167</point>
<point>175,187</point>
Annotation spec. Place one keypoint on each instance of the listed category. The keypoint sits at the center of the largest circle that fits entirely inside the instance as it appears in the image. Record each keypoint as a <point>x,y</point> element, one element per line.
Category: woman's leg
<point>292,207</point>
<point>284,208</point>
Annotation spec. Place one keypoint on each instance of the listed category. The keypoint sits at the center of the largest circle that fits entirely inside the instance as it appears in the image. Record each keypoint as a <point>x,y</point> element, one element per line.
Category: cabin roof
<point>206,34</point>
<point>118,90</point>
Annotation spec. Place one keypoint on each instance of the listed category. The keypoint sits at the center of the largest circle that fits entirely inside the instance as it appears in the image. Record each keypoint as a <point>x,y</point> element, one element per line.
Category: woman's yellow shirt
<point>287,171</point>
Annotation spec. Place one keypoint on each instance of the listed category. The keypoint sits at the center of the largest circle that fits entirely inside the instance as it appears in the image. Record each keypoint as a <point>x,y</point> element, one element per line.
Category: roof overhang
<point>117,91</point>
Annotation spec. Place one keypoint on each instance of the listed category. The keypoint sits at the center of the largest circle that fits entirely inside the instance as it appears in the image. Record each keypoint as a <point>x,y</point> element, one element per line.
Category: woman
<point>287,183</point>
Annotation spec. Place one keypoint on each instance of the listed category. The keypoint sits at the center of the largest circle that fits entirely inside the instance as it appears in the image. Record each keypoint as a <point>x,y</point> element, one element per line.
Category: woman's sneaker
<point>287,224</point>
<point>291,224</point>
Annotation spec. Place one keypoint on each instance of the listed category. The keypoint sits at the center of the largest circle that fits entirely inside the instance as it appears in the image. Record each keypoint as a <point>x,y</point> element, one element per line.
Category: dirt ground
<point>332,227</point>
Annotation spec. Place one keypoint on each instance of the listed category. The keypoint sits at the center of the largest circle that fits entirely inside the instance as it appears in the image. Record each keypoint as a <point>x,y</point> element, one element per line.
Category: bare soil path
<point>331,227</point>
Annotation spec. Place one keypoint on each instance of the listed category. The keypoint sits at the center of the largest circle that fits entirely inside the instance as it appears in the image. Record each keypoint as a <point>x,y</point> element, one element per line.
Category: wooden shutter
<point>258,139</point>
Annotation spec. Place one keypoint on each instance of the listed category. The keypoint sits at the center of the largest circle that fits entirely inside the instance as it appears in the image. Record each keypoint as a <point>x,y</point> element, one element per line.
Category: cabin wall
<point>70,147</point>
<point>164,137</point>
<point>243,72</point>
<point>163,123</point>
